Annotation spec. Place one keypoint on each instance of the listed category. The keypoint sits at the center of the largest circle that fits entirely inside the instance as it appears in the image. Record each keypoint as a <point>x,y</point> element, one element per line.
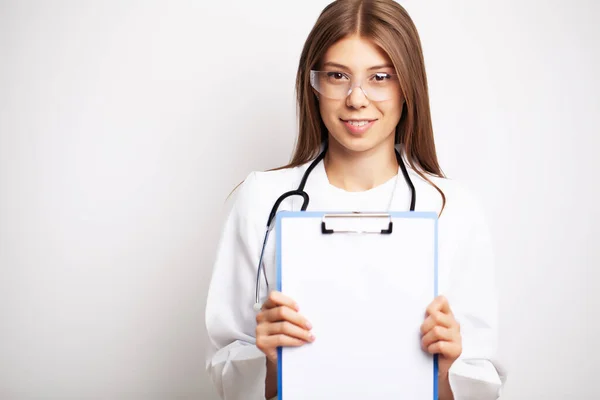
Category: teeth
<point>358,123</point>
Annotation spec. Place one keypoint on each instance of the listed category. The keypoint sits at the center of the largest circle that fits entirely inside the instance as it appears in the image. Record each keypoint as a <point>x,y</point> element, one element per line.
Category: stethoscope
<point>305,200</point>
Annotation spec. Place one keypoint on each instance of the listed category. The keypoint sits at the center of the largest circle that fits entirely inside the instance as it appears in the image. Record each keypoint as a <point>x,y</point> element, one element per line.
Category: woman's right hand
<point>280,324</point>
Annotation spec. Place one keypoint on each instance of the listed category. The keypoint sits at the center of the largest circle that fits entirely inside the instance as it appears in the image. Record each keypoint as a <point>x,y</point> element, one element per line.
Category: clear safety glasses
<point>338,85</point>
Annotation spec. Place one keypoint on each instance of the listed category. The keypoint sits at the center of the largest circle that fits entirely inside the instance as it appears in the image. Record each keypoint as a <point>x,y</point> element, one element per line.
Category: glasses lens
<point>338,85</point>
<point>333,85</point>
<point>381,86</point>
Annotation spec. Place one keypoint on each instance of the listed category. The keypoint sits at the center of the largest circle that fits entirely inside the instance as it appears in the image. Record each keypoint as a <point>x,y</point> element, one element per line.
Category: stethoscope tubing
<point>305,200</point>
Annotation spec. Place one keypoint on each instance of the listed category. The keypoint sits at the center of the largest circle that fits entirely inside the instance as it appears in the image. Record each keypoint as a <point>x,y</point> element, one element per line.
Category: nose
<point>357,98</point>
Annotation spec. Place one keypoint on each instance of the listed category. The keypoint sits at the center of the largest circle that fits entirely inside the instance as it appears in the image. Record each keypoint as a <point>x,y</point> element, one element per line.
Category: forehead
<point>356,53</point>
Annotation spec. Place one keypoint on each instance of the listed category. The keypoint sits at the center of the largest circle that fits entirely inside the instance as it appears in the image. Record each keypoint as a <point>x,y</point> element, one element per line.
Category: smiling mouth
<point>358,126</point>
<point>358,123</point>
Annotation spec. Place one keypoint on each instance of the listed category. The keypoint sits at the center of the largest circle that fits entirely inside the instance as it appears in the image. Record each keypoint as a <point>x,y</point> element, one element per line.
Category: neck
<point>360,171</point>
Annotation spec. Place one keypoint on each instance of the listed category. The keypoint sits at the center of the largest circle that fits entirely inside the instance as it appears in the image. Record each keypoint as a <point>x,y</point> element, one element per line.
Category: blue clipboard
<point>394,216</point>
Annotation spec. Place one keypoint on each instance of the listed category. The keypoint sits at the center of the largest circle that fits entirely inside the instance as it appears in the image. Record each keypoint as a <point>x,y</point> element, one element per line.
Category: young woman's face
<point>364,119</point>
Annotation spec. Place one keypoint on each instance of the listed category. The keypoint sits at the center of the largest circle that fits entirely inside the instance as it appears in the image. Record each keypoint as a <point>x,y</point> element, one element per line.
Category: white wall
<point>124,125</point>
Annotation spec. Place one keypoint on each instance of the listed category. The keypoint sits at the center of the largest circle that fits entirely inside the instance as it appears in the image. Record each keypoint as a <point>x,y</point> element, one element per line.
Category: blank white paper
<point>366,296</point>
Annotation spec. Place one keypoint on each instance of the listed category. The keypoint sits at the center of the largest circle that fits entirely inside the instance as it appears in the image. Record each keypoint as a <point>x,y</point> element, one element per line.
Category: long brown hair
<point>388,25</point>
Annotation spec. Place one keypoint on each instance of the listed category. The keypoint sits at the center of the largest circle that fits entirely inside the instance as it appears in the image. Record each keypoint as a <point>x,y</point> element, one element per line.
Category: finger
<point>284,314</point>
<point>267,343</point>
<point>435,319</point>
<point>436,334</point>
<point>290,330</point>
<point>440,303</point>
<point>277,299</point>
<point>449,350</point>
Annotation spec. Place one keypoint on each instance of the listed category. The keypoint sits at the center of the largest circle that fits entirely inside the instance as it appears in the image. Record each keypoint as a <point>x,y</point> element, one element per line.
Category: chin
<point>355,144</point>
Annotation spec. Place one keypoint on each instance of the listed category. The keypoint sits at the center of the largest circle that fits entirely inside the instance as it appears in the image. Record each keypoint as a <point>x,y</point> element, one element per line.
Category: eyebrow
<point>336,65</point>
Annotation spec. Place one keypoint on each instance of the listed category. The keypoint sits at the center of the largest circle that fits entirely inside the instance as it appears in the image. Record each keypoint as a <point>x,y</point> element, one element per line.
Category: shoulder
<point>464,228</point>
<point>459,194</point>
<point>255,196</point>
<point>463,204</point>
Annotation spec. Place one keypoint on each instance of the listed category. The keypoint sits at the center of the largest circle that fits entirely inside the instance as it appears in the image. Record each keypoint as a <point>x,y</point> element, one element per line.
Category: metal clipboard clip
<point>355,220</point>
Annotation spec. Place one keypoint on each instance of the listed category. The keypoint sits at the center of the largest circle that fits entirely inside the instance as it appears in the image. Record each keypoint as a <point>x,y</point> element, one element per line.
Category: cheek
<point>329,112</point>
<point>395,108</point>
<point>391,113</point>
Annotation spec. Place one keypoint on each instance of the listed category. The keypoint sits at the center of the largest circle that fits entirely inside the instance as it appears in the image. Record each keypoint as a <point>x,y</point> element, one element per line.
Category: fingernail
<point>311,337</point>
<point>308,325</point>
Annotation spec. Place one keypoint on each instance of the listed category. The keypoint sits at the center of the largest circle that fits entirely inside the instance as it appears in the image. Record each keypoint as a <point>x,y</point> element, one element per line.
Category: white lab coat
<point>465,267</point>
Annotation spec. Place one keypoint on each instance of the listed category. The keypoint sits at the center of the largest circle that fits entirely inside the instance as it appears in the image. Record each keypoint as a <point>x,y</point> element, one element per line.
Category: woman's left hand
<point>440,334</point>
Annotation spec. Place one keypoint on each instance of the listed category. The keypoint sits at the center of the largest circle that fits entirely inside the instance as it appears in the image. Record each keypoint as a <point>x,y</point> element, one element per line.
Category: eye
<point>381,77</point>
<point>336,76</point>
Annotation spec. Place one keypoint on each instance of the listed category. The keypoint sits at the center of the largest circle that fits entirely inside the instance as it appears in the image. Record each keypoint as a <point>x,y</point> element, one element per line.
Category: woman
<point>362,94</point>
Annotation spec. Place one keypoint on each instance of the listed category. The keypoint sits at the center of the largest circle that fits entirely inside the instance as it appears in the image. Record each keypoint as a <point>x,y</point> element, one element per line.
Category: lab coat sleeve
<point>472,295</point>
<point>235,365</point>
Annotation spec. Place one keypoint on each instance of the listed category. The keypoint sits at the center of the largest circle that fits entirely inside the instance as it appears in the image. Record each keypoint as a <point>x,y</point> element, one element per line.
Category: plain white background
<point>125,124</point>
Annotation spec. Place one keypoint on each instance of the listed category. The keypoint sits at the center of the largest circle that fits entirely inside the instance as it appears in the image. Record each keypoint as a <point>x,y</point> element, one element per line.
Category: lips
<point>358,126</point>
<point>358,123</point>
